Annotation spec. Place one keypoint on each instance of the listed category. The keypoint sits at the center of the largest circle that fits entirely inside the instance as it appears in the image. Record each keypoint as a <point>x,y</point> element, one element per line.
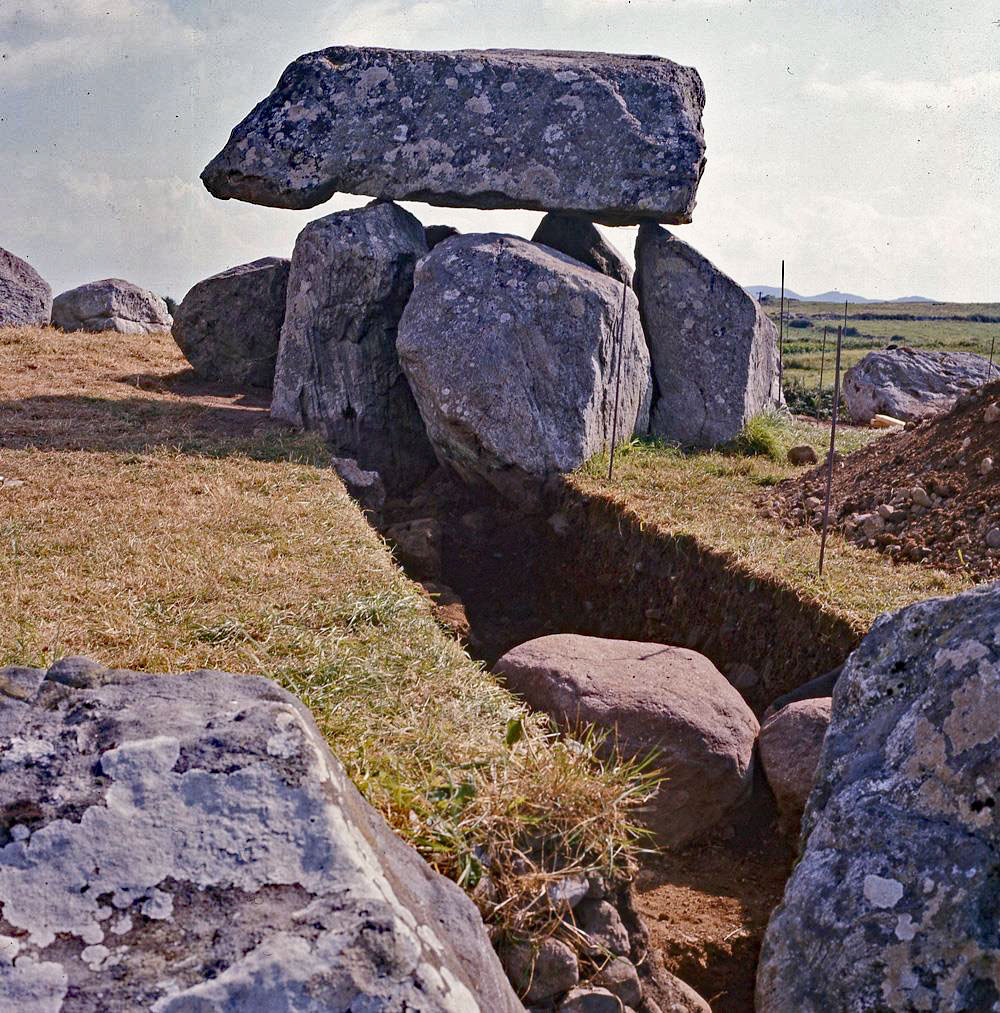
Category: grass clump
<point>168,527</point>
<point>760,437</point>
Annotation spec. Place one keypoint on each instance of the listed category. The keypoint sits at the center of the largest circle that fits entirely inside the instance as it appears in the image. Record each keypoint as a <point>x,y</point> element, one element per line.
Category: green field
<point>952,327</point>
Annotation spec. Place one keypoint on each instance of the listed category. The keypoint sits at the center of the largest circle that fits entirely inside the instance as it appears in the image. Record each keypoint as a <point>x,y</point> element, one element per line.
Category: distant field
<point>953,327</point>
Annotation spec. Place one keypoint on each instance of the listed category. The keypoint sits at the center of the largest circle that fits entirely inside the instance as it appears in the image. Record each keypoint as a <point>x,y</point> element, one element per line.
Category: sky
<point>858,140</point>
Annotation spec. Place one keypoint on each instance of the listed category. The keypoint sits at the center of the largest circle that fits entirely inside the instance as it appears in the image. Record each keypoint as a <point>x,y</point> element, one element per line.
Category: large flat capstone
<point>181,843</point>
<point>617,139</point>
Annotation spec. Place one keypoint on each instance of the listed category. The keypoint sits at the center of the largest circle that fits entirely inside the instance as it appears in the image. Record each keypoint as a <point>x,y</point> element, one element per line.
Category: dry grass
<point>712,496</point>
<point>165,526</point>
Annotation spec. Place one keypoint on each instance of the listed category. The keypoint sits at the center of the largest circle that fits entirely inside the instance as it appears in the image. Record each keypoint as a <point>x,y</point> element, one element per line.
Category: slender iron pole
<point>833,447</point>
<point>781,338</point>
<point>993,345</point>
<point>822,366</point>
<point>618,382</point>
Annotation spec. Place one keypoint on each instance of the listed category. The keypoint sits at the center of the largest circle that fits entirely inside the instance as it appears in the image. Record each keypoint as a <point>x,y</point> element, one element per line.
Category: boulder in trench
<point>714,350</point>
<point>893,902</point>
<point>652,698</point>
<point>228,325</point>
<point>182,842</point>
<point>613,138</point>
<point>337,370</point>
<point>911,383</point>
<point>582,241</point>
<point>111,305</point>
<point>513,352</point>
<point>25,296</point>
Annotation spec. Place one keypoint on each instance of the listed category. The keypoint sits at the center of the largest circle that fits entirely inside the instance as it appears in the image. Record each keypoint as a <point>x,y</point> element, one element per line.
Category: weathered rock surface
<point>25,296</point>
<point>893,904</point>
<point>714,350</point>
<point>179,843</point>
<point>790,746</point>
<point>540,973</point>
<point>228,325</point>
<point>111,305</point>
<point>657,697</point>
<point>364,486</point>
<point>582,241</point>
<point>338,371</point>
<point>613,138</point>
<point>910,383</point>
<point>512,352</point>
<point>436,234</point>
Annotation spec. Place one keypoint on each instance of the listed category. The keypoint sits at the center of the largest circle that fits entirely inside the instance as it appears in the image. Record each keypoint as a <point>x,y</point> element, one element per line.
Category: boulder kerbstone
<point>654,697</point>
<point>25,296</point>
<point>613,138</point>
<point>111,305</point>
<point>714,350</point>
<point>512,353</point>
<point>338,371</point>
<point>893,902</point>
<point>228,325</point>
<point>182,842</point>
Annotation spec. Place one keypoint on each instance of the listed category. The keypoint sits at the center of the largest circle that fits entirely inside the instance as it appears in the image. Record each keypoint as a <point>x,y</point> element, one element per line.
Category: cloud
<point>982,87</point>
<point>70,37</point>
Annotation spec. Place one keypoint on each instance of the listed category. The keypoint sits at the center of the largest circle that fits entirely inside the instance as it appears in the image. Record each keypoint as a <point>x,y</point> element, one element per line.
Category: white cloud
<point>982,87</point>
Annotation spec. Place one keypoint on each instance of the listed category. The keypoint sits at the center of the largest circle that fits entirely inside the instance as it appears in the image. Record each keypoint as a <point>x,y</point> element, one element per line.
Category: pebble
<point>991,413</point>
<point>993,538</point>
<point>985,465</point>
<point>919,496</point>
<point>966,443</point>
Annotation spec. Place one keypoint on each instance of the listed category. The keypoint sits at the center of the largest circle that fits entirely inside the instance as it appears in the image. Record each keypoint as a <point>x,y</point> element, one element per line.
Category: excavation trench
<point>582,565</point>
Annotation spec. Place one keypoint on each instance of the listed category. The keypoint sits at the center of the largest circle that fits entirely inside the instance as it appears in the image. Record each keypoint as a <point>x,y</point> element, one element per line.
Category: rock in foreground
<point>111,305</point>
<point>893,903</point>
<point>338,371</point>
<point>582,241</point>
<point>25,297</point>
<point>228,325</point>
<point>910,383</point>
<point>654,697</point>
<point>179,843</point>
<point>511,350</point>
<point>613,138</point>
<point>714,350</point>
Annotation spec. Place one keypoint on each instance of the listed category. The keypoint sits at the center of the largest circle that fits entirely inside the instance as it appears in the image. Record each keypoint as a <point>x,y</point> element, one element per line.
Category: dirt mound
<point>930,493</point>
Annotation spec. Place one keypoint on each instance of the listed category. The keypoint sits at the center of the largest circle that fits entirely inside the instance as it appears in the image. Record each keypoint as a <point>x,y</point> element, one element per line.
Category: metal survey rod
<point>833,447</point>
<point>618,382</point>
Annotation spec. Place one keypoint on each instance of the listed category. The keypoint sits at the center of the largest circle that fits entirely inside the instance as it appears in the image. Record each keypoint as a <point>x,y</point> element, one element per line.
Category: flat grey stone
<point>613,138</point>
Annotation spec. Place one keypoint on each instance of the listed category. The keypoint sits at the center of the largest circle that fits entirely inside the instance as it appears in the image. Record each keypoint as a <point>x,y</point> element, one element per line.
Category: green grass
<point>952,327</point>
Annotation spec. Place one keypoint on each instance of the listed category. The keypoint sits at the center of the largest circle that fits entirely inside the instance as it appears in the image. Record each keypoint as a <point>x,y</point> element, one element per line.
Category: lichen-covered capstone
<point>714,350</point>
<point>179,843</point>
<point>512,351</point>
<point>338,371</point>
<point>228,325</point>
<point>616,139</point>
<point>893,904</point>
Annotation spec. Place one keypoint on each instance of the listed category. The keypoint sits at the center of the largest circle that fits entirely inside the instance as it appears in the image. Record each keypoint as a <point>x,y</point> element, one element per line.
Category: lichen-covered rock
<point>582,241</point>
<point>180,843</point>
<point>512,352</point>
<point>111,305</point>
<point>714,350</point>
<point>613,138</point>
<point>539,973</point>
<point>228,325</point>
<point>25,296</point>
<point>338,371</point>
<point>654,699</point>
<point>911,383</point>
<point>893,904</point>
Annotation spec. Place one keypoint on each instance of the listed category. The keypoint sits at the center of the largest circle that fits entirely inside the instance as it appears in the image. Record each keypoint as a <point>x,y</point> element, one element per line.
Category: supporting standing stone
<point>338,371</point>
<point>25,297</point>
<point>616,139</point>
<point>714,350</point>
<point>582,241</point>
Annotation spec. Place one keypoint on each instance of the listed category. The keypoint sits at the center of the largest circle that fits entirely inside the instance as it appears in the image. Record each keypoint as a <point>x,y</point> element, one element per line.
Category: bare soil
<point>945,457</point>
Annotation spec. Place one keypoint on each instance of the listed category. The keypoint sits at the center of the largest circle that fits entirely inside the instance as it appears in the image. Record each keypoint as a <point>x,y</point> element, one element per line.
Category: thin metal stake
<point>618,383</point>
<point>822,367</point>
<point>833,447</point>
<point>781,337</point>
<point>993,345</point>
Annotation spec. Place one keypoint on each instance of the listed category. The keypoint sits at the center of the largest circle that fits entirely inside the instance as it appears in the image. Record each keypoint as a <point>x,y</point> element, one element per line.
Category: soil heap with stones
<point>930,493</point>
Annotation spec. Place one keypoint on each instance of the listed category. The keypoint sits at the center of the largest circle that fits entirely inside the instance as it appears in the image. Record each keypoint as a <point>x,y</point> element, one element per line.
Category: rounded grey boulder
<point>613,138</point>
<point>25,297</point>
<point>714,350</point>
<point>111,305</point>
<point>512,353</point>
<point>893,903</point>
<point>228,325</point>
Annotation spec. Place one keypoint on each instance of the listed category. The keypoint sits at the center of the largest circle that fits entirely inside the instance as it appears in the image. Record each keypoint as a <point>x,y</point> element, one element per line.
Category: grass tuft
<point>760,437</point>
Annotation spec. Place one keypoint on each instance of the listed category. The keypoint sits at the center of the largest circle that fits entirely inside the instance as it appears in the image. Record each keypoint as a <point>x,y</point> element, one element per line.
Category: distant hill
<point>769,290</point>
